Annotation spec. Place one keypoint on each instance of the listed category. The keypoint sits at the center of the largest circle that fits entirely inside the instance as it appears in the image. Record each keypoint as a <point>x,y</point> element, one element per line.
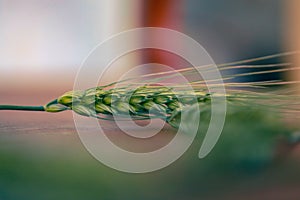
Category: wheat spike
<point>152,100</point>
<point>144,102</point>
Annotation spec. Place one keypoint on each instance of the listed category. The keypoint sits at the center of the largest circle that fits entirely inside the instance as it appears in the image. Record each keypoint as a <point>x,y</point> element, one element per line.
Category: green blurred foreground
<point>41,157</point>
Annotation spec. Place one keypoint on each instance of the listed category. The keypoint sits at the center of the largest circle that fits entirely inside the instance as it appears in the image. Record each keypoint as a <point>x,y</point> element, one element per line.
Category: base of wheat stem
<point>22,108</point>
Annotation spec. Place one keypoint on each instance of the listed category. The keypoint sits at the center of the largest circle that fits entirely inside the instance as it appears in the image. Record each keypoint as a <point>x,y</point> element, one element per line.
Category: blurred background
<point>42,45</point>
<point>48,40</point>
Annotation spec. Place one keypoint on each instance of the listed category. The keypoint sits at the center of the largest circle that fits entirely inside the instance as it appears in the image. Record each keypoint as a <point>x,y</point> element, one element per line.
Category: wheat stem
<point>24,108</point>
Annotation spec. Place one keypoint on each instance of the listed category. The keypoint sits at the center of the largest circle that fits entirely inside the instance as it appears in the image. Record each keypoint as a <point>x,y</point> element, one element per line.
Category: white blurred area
<point>43,43</point>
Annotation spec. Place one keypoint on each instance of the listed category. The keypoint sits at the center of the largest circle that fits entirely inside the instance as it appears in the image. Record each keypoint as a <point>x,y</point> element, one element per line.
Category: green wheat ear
<point>167,103</point>
<point>140,103</point>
